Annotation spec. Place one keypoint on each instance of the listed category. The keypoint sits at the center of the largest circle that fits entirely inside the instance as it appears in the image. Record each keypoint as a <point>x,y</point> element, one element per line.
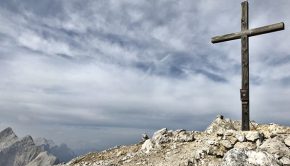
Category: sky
<point>98,73</point>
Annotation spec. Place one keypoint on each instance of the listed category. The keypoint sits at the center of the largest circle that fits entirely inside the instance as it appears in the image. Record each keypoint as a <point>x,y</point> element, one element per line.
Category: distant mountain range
<point>27,151</point>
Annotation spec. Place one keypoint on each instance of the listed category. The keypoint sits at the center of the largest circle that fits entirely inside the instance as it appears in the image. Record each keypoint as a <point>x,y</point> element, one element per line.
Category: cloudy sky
<point>99,73</point>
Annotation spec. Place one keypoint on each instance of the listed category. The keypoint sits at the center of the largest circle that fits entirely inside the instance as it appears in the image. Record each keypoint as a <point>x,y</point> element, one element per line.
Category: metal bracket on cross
<point>244,95</point>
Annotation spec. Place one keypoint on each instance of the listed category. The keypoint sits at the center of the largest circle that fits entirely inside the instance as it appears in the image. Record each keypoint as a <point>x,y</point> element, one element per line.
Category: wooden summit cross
<point>244,36</point>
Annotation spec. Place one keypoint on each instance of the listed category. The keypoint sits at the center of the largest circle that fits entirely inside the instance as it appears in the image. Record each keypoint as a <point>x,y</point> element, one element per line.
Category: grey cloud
<point>44,8</point>
<point>104,68</point>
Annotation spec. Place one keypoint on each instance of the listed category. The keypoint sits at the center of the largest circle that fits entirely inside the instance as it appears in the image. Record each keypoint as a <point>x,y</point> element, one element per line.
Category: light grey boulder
<point>212,142</point>
<point>232,139</point>
<point>245,145</point>
<point>161,136</point>
<point>235,157</point>
<point>243,157</point>
<point>147,146</point>
<point>159,132</point>
<point>276,147</point>
<point>229,132</point>
<point>164,136</point>
<point>287,141</point>
<point>285,161</point>
<point>227,144</point>
<point>220,125</point>
<point>253,135</point>
<point>240,136</point>
<point>183,136</point>
<point>200,154</point>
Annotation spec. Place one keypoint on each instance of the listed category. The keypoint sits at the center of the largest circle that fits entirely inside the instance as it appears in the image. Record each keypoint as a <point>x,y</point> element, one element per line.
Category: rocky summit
<point>221,144</point>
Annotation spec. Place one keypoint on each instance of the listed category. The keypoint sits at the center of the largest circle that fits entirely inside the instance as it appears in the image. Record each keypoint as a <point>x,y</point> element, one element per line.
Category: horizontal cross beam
<point>249,33</point>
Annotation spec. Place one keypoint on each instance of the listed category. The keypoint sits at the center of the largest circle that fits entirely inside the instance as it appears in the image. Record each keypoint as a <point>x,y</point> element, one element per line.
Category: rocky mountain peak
<point>221,144</point>
<point>44,142</point>
<point>7,138</point>
<point>28,140</point>
<point>6,133</point>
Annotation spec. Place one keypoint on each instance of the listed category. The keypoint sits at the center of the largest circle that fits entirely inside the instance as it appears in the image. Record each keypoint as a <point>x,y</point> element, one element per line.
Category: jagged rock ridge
<point>20,152</point>
<point>221,144</point>
<point>62,151</point>
<point>24,152</point>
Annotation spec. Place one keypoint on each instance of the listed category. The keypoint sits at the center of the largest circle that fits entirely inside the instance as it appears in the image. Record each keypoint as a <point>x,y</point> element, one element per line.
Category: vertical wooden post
<point>245,68</point>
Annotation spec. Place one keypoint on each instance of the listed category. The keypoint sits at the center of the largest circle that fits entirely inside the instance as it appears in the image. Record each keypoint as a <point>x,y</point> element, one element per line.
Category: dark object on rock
<point>144,137</point>
<point>220,116</point>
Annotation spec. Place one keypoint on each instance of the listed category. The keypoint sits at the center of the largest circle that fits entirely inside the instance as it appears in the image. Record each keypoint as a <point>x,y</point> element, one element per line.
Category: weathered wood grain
<point>251,32</point>
<point>245,68</point>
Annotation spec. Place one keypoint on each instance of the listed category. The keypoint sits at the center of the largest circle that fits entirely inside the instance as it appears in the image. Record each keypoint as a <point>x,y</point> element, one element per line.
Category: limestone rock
<point>232,139</point>
<point>276,146</point>
<point>245,145</point>
<point>243,157</point>
<point>240,136</point>
<point>220,151</point>
<point>287,141</point>
<point>212,142</point>
<point>200,154</point>
<point>261,158</point>
<point>147,146</point>
<point>227,144</point>
<point>285,161</point>
<point>161,136</point>
<point>235,157</point>
<point>229,132</point>
<point>221,125</point>
<point>160,132</point>
<point>253,135</point>
<point>258,143</point>
<point>184,136</point>
<point>272,130</point>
